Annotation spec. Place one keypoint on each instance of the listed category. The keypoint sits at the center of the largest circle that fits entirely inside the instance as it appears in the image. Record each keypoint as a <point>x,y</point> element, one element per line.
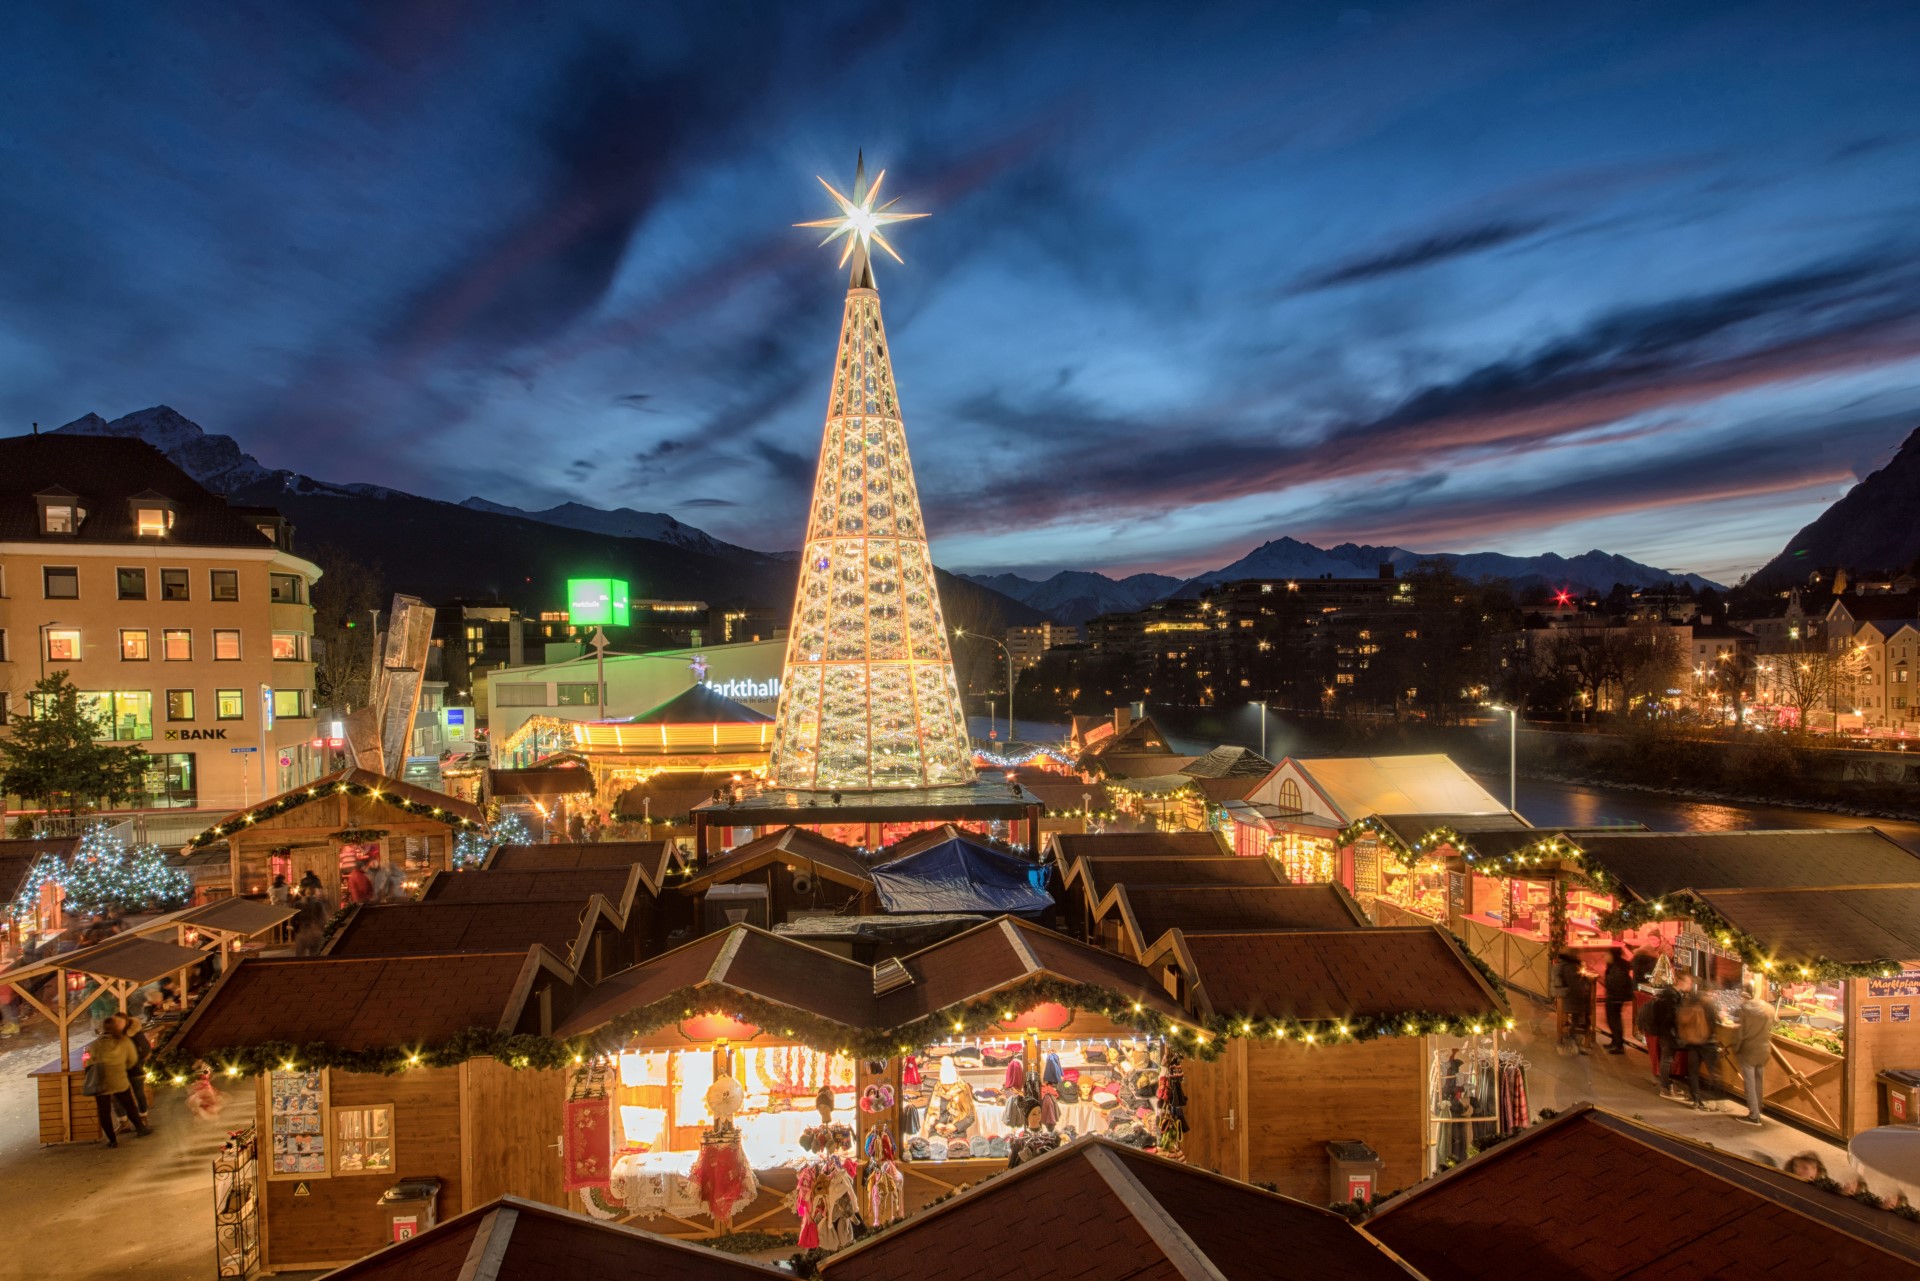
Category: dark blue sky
<point>1461,276</point>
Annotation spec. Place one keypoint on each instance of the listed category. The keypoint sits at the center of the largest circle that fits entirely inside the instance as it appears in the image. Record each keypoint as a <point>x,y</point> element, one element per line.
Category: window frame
<point>234,632</point>
<point>213,581</point>
<point>220,704</point>
<point>46,581</point>
<point>299,654</point>
<point>169,697</point>
<point>79,644</point>
<point>299,593</point>
<point>185,584</point>
<point>145,643</point>
<point>166,632</point>
<point>119,582</point>
<point>301,704</point>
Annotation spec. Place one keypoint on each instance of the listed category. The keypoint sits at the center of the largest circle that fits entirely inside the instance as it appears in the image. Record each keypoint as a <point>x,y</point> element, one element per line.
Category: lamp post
<point>1513,754</point>
<point>1261,704</point>
<point>967,635</point>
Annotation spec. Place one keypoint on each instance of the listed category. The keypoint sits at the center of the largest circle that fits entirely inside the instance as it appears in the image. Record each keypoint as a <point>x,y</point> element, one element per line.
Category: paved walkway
<point>144,1210</point>
<point>1558,1079</point>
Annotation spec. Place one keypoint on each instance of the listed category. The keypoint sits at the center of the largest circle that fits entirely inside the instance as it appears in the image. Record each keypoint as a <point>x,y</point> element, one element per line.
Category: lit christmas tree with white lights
<point>868,697</point>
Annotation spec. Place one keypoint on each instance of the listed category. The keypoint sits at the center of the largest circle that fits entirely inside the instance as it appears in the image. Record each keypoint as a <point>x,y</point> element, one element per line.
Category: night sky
<point>1522,277</point>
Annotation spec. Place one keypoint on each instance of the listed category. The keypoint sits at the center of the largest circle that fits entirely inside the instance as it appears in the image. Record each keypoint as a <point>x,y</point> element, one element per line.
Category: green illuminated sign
<point>597,600</point>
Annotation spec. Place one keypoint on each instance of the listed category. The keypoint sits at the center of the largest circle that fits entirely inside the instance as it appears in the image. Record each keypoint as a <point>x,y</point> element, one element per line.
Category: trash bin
<point>1355,1167</point>
<point>411,1206</point>
<point>1899,1096</point>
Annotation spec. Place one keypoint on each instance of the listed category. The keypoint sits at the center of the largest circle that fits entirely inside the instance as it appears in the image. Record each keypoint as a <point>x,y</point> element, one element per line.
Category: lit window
<point>152,522</point>
<point>58,518</point>
<point>133,645</point>
<point>176,645</point>
<point>284,589</point>
<point>289,703</point>
<point>226,645</point>
<point>230,704</point>
<point>288,646</point>
<point>179,704</point>
<point>63,644</point>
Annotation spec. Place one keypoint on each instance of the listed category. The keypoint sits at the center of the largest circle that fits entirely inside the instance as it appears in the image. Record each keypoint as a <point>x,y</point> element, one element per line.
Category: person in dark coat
<point>1656,1027</point>
<point>1616,983</point>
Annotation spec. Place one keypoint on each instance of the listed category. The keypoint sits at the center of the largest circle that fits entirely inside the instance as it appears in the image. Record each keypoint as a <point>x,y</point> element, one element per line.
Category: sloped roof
<point>401,929</point>
<point>127,957</point>
<point>566,780</point>
<point>671,795</point>
<point>1430,784</point>
<point>1151,910</point>
<point>1078,845</point>
<point>321,788</point>
<point>964,873</point>
<point>794,847</point>
<point>1118,765</point>
<point>1414,828</point>
<point>1652,864</point>
<point>1101,874</point>
<point>928,837</point>
<point>652,857</point>
<point>1595,1196</point>
<point>362,1003</point>
<point>1327,974</point>
<point>18,857</point>
<point>1851,926</point>
<point>700,705</point>
<point>105,472</point>
<point>1156,784</point>
<point>1141,738</point>
<point>744,959</point>
<point>575,885</point>
<point>517,1240</point>
<point>1230,762</point>
<point>1876,606</point>
<point>1096,1208</point>
<point>1005,953</point>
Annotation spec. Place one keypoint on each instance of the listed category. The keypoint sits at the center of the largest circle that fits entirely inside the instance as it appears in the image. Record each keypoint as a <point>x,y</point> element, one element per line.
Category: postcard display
<point>298,1102</point>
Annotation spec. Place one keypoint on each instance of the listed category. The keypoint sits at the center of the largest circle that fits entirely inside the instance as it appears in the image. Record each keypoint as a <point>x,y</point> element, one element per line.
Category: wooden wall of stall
<point>1265,1112</point>
<point>337,1220</point>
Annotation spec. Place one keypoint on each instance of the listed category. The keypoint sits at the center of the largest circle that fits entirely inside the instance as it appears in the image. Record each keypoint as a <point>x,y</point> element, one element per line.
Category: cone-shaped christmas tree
<point>867,698</point>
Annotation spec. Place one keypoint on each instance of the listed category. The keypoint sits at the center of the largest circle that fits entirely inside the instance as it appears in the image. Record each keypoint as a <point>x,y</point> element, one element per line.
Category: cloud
<point>1424,252</point>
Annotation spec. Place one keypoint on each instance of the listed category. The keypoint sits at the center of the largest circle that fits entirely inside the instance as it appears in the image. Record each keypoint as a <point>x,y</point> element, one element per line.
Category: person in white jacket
<point>1753,1026</point>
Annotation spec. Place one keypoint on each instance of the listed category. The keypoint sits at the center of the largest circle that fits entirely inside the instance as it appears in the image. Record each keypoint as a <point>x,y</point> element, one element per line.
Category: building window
<point>179,704</point>
<point>289,647</point>
<point>1290,797</point>
<point>152,522</point>
<point>363,1140</point>
<point>133,583</point>
<point>577,695</point>
<point>120,716</point>
<point>59,518</point>
<point>133,645</point>
<point>176,645</point>
<point>226,645</point>
<point>284,589</point>
<point>3,645</point>
<point>230,704</point>
<point>62,582</point>
<point>63,644</point>
<point>520,696</point>
<point>169,781</point>
<point>223,584</point>
<point>289,704</point>
<point>173,584</point>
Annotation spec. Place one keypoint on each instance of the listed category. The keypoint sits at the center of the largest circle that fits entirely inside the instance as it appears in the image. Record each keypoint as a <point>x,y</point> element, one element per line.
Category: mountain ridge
<point>1869,529</point>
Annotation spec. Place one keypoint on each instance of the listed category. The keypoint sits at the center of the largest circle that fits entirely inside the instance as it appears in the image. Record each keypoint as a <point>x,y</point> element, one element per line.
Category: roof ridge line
<point>723,959</point>
<point>1182,1252</point>
<point>1025,953</point>
<point>489,1246</point>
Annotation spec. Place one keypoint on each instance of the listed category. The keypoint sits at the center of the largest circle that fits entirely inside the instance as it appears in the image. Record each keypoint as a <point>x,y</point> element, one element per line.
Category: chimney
<point>1122,719</point>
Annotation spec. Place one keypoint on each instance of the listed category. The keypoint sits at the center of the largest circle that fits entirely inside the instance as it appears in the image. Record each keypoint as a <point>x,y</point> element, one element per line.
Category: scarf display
<point>886,1185</point>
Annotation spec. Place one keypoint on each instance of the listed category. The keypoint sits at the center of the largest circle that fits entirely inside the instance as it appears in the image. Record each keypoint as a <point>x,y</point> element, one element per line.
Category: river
<point>1547,804</point>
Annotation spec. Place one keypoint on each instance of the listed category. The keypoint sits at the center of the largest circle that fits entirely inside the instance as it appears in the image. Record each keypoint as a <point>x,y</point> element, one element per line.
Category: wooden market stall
<point>787,1020</point>
<point>325,826</point>
<point>1385,1036</point>
<point>1086,883</point>
<point>788,873</point>
<point>30,903</point>
<point>589,936</point>
<point>395,1079</point>
<point>1131,918</point>
<point>871,818</point>
<point>657,860</point>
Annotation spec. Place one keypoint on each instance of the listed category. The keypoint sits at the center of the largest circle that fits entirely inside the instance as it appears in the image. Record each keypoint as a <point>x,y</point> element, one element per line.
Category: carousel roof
<point>701,705</point>
<point>1097,1208</point>
<point>1312,975</point>
<point>516,1240</point>
<point>1652,864</point>
<point>1591,1194</point>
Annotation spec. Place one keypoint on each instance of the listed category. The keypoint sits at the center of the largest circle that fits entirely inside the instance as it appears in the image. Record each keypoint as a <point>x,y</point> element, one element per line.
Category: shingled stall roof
<point>742,960</point>
<point>618,885</point>
<point>360,1004</point>
<point>1096,1208</point>
<point>1847,926</point>
<point>653,858</point>
<point>1357,786</point>
<point>1415,829</point>
<point>419,800</point>
<point>1318,975</point>
<point>1070,846</point>
<point>1100,875</point>
<point>401,929</point>
<point>125,958</point>
<point>1594,1196</point>
<point>929,837</point>
<point>1149,911</point>
<point>1651,865</point>
<point>793,847</point>
<point>1230,762</point>
<point>517,1240</point>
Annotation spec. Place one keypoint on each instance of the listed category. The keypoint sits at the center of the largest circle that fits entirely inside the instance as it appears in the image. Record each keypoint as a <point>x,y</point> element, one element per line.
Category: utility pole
<point>1009,653</point>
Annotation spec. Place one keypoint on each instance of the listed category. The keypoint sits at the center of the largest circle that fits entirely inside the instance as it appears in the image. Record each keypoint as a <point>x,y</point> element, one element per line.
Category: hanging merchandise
<point>886,1185</point>
<point>721,1172</point>
<point>1514,1113</point>
<point>1171,1095</point>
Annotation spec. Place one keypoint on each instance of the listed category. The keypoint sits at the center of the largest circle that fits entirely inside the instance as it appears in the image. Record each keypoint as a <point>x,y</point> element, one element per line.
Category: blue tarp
<point>959,876</point>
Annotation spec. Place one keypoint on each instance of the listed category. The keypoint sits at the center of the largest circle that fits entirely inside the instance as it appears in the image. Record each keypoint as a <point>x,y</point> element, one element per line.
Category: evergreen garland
<point>304,796</point>
<point>1684,905</point>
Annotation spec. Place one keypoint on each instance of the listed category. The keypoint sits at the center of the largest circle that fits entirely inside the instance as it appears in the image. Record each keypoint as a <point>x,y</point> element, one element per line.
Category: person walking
<point>310,883</point>
<point>1692,1035</point>
<point>1752,1047</point>
<point>136,1032</point>
<point>309,925</point>
<point>1616,984</point>
<point>1656,1019</point>
<point>109,1059</point>
<point>279,893</point>
<point>359,884</point>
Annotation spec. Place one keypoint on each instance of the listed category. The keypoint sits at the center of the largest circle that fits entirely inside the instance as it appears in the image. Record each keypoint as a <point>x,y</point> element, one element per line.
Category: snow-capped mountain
<point>1594,571</point>
<point>1075,595</point>
<point>217,462</point>
<point>620,522</point>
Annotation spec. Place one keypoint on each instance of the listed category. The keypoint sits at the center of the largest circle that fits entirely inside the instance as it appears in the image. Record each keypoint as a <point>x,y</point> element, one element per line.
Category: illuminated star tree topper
<point>860,222</point>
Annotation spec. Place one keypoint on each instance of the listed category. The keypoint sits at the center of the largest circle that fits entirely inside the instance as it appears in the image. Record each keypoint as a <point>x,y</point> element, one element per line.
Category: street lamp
<point>962,633</point>
<point>1261,704</point>
<point>1513,755</point>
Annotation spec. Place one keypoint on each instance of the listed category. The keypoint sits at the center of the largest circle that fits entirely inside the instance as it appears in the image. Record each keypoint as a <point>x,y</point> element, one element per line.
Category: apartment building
<point>1028,643</point>
<point>185,621</point>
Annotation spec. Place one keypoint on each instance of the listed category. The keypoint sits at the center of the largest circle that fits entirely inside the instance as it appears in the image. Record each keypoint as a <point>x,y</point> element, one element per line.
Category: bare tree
<point>344,599</point>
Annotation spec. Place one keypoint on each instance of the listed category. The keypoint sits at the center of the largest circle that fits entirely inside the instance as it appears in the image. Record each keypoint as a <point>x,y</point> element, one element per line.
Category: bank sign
<point>747,691</point>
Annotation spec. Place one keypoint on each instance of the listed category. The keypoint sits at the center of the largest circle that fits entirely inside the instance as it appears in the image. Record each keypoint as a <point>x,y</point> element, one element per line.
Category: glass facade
<point>120,716</point>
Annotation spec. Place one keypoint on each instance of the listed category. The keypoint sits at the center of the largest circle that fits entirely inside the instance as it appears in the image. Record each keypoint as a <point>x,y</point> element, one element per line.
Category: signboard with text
<point>597,600</point>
